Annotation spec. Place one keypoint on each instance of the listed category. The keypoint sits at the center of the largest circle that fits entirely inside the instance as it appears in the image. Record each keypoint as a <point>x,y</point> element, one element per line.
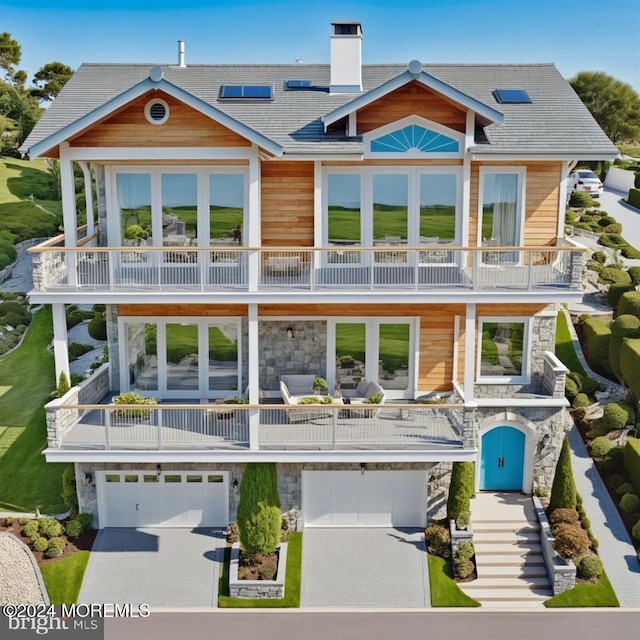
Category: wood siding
<point>287,204</point>
<point>185,127</point>
<point>436,350</point>
<point>163,310</point>
<point>411,99</point>
<point>542,189</point>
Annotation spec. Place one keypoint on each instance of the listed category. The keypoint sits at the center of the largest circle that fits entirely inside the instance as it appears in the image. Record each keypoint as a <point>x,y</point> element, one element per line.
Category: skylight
<point>246,92</point>
<point>511,96</point>
<point>297,84</point>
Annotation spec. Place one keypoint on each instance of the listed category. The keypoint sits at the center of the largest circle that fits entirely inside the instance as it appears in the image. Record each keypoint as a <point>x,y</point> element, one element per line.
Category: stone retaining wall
<point>561,574</point>
<point>257,589</point>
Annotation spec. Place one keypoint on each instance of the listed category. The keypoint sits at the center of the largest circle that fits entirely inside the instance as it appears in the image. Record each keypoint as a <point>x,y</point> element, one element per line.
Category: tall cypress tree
<point>461,489</point>
<point>563,490</point>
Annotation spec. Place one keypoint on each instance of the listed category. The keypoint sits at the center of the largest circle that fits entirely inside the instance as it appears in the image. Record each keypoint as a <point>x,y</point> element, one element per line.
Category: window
<point>297,84</point>
<point>503,349</point>
<point>134,205</point>
<point>246,91</point>
<point>501,211</point>
<point>179,209</point>
<point>511,96</point>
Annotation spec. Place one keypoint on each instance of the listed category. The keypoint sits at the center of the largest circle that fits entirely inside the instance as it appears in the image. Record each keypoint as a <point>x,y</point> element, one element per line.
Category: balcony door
<point>375,349</point>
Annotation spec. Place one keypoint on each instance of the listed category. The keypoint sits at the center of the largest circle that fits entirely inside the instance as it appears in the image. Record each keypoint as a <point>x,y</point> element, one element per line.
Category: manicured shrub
<point>599,256</point>
<point>581,200</point>
<point>581,400</point>
<point>465,550</point>
<point>612,275</point>
<point>69,492</point>
<point>630,363</point>
<point>97,327</point>
<point>57,543</point>
<point>563,490</point>
<point>635,531</point>
<point>597,334</point>
<point>460,489</point>
<point>74,528</point>
<point>616,227</point>
<point>463,567</point>
<point>600,447</point>
<point>632,461</point>
<point>616,291</point>
<point>30,529</point>
<point>49,527</point>
<point>570,388</point>
<point>40,544</point>
<point>616,415</point>
<point>85,519</point>
<point>99,308</point>
<point>63,385</point>
<point>634,274</point>
<point>592,265</point>
<point>587,384</point>
<point>606,220</point>
<point>630,503</point>
<point>625,487</point>
<point>571,541</point>
<point>634,197</point>
<point>613,461</point>
<point>626,325</point>
<point>259,512</point>
<point>590,567</point>
<point>53,552</point>
<point>438,539</point>
<point>564,516</point>
<point>74,317</point>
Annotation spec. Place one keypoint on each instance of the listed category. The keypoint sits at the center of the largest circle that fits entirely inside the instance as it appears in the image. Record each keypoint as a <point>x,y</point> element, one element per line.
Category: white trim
<point>150,105</point>
<point>521,191</point>
<point>352,125</point>
<point>469,352</point>
<point>95,154</point>
<point>456,347</point>
<point>323,155</point>
<point>368,137</point>
<point>60,342</point>
<point>525,427</point>
<point>253,373</point>
<point>318,207</point>
<point>525,376</point>
<point>121,100</point>
<point>562,198</point>
<point>88,194</point>
<point>538,401</point>
<point>404,78</point>
<point>486,154</point>
<point>469,131</point>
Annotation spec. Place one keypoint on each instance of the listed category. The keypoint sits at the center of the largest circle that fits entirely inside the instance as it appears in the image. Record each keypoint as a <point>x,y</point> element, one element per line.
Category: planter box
<point>257,589</point>
<point>458,536</point>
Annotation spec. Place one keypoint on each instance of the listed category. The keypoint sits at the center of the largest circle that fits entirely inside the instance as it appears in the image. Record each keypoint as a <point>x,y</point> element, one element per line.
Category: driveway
<point>159,567</point>
<point>364,568</point>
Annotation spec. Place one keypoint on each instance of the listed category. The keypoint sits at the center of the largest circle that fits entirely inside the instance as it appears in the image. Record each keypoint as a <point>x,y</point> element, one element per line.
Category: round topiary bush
<point>53,552</point>
<point>97,327</point>
<point>614,460</point>
<point>599,256</point>
<point>615,416</point>
<point>581,401</point>
<point>49,527</point>
<point>57,543</point>
<point>635,531</point>
<point>571,541</point>
<point>600,447</point>
<point>606,220</point>
<point>590,567</point>
<point>465,550</point>
<point>438,539</point>
<point>577,377</point>
<point>630,503</point>
<point>581,200</point>
<point>74,528</point>
<point>564,516</point>
<point>463,567</point>
<point>613,275</point>
<point>570,388</point>
<point>634,274</point>
<point>625,487</point>
<point>40,544</point>
<point>625,326</point>
<point>30,529</point>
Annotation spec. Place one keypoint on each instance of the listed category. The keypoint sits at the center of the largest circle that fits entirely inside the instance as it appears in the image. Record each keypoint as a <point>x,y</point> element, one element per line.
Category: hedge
<point>460,489</point>
<point>631,460</point>
<point>615,347</point>
<point>597,334</point>
<point>612,275</point>
<point>630,364</point>
<point>616,291</point>
<point>630,303</point>
<point>634,198</point>
<point>634,273</point>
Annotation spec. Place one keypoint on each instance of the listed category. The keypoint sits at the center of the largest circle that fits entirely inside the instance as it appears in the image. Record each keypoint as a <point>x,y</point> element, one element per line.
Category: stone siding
<point>459,536</point>
<point>112,342</point>
<point>257,589</point>
<point>561,574</point>
<point>438,490</point>
<point>89,391</point>
<point>555,374</point>
<point>103,239</point>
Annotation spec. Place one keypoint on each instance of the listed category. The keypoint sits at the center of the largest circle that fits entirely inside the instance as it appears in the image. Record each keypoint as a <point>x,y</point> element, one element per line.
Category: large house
<point>397,230</point>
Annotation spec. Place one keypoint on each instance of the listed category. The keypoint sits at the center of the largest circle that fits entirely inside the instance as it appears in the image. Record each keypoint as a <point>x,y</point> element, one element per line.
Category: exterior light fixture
<point>363,468</point>
<point>235,483</point>
<point>290,333</point>
<point>159,469</point>
<point>88,477</point>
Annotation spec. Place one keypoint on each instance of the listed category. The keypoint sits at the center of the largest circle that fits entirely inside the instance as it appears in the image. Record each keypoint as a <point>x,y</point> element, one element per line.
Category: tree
<point>460,489</point>
<point>563,490</point>
<point>259,515</point>
<point>10,52</point>
<point>613,103</point>
<point>50,79</point>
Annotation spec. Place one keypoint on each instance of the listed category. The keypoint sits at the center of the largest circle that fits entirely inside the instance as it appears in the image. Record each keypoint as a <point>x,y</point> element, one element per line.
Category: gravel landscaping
<point>20,582</point>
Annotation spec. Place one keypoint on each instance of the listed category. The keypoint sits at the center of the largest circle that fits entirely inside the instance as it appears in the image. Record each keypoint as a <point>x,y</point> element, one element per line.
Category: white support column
<point>69,219</point>
<point>88,194</point>
<point>253,375</point>
<point>469,352</point>
<point>253,234</point>
<point>562,201</point>
<point>466,181</point>
<point>60,345</point>
<point>317,212</point>
<point>352,126</point>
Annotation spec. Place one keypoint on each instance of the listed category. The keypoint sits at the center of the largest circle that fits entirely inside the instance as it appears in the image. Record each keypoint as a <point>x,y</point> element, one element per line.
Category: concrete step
<point>538,594</point>
<point>515,605</point>
<point>509,560</point>
<point>504,536</point>
<point>525,570</point>
<point>513,526</point>
<point>498,548</point>
<point>525,584</point>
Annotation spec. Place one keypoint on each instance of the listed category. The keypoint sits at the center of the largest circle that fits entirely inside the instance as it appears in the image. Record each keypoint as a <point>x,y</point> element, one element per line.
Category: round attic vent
<point>156,111</point>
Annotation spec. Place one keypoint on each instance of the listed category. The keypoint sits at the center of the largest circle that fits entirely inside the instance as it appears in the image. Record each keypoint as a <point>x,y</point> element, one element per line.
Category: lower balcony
<point>167,427</point>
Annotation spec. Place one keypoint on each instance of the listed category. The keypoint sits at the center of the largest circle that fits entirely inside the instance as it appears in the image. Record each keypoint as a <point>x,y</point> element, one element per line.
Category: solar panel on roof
<point>249,91</point>
<point>297,84</point>
<point>511,96</point>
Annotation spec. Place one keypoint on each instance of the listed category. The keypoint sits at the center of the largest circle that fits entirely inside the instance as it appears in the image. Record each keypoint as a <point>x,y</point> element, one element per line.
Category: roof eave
<point>551,154</point>
<point>138,90</point>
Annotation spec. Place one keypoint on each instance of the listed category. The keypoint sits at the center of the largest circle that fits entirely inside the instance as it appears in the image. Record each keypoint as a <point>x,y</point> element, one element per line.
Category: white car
<point>585,180</point>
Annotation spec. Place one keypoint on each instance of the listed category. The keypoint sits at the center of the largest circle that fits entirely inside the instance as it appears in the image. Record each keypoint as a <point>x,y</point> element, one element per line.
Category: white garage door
<point>168,499</point>
<point>372,499</point>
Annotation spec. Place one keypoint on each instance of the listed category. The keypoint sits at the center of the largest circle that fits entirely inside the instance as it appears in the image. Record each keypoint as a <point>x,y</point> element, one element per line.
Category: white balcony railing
<point>280,427</point>
<point>244,269</point>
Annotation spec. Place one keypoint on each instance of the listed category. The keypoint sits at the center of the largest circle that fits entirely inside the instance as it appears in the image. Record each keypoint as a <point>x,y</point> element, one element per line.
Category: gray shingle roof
<point>556,121</point>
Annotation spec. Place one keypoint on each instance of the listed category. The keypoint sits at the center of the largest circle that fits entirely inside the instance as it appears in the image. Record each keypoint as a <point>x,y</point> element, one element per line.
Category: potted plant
<point>462,521</point>
<point>136,234</point>
<point>346,361</point>
<point>320,386</point>
<point>131,414</point>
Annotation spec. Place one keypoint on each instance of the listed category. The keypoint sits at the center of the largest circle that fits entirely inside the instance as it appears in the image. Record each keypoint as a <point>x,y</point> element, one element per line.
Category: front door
<point>502,460</point>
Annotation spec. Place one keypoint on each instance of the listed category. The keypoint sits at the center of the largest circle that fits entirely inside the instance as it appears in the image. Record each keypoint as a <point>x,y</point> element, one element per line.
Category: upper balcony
<point>323,270</point>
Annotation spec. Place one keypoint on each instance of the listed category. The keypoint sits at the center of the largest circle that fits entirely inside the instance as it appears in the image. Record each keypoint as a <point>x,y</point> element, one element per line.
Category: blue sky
<point>580,35</point>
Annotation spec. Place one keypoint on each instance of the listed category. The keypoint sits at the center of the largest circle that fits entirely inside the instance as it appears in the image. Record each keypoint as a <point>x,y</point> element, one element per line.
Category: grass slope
<point>63,578</point>
<point>444,591</point>
<point>393,343</point>
<point>564,347</point>
<point>26,380</point>
<point>291,586</point>
<point>586,595</point>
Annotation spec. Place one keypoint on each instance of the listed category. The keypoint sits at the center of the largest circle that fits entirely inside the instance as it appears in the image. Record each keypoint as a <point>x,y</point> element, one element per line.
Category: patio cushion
<point>361,389</point>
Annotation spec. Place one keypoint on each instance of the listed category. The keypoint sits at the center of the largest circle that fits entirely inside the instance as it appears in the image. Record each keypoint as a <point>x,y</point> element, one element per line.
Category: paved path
<point>80,333</point>
<point>158,567</point>
<point>364,568</point>
<point>611,202</point>
<point>616,551</point>
<point>21,278</point>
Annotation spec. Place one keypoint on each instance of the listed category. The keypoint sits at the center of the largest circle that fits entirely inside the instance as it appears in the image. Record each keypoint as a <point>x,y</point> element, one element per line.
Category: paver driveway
<point>364,568</point>
<point>159,567</point>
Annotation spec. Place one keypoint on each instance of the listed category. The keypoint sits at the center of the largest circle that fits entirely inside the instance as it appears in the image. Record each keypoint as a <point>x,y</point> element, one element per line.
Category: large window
<point>179,209</point>
<point>134,207</point>
<point>503,349</point>
<point>501,211</point>
<point>378,207</point>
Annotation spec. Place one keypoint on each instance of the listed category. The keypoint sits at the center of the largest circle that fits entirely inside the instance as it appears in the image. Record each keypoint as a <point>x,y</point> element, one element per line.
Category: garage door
<point>372,499</point>
<point>168,499</point>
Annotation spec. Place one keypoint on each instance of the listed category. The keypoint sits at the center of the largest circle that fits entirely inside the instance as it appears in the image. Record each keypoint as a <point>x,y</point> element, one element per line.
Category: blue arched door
<point>502,459</point>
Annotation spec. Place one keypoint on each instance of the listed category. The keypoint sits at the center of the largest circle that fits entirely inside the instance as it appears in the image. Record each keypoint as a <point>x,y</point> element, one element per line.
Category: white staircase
<point>509,562</point>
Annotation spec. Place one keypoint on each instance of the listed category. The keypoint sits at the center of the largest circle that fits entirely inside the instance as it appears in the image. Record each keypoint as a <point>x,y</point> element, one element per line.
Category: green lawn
<point>586,595</point>
<point>291,587</point>
<point>26,380</point>
<point>444,591</point>
<point>63,578</point>
<point>182,341</point>
<point>564,346</point>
